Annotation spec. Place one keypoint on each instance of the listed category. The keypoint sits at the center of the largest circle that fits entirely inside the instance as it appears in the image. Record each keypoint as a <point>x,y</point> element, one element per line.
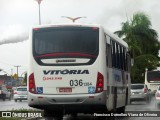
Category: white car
<point>20,93</point>
<point>157,95</point>
<point>140,92</point>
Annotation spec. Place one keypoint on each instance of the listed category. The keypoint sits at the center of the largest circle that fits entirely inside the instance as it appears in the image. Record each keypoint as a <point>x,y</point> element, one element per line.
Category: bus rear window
<point>153,76</point>
<point>66,40</point>
<point>134,87</point>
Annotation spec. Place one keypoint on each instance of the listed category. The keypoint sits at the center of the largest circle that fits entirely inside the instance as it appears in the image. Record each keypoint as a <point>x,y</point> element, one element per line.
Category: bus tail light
<point>145,90</point>
<point>158,95</point>
<point>100,83</point>
<point>154,91</point>
<point>32,86</point>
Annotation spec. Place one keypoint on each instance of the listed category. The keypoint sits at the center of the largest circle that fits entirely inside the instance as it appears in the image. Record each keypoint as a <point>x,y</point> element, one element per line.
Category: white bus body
<point>77,69</point>
<point>152,80</point>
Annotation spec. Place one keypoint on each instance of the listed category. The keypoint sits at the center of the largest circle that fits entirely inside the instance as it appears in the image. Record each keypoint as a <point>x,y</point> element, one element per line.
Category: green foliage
<point>143,44</point>
<point>141,62</point>
<point>24,82</point>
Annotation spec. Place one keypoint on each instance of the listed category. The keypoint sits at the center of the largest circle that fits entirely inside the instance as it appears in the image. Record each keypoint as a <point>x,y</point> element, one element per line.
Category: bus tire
<point>47,113</point>
<point>127,97</point>
<point>50,115</point>
<point>115,100</point>
<point>121,109</point>
<point>74,115</point>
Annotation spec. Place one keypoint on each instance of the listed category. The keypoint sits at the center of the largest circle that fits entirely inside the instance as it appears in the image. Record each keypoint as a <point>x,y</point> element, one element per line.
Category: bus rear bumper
<point>69,103</point>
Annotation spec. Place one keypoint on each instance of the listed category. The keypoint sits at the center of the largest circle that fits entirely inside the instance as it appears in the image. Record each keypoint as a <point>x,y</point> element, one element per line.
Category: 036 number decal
<point>79,83</point>
<point>76,82</point>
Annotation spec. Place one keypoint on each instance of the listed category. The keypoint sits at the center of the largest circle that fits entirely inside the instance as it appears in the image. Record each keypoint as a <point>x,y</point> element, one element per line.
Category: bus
<point>152,80</point>
<point>76,68</point>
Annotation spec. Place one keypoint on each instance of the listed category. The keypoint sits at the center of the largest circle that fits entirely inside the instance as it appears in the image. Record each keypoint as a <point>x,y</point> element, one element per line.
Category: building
<point>9,81</point>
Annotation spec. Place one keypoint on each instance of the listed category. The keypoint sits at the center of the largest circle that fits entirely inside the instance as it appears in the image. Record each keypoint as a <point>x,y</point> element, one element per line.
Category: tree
<point>143,44</point>
<point>24,81</point>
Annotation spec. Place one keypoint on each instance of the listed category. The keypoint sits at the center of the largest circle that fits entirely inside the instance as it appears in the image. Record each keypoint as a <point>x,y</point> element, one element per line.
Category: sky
<point>17,17</point>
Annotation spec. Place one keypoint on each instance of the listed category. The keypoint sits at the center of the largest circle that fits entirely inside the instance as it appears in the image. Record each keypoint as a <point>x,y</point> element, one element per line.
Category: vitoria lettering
<point>56,72</point>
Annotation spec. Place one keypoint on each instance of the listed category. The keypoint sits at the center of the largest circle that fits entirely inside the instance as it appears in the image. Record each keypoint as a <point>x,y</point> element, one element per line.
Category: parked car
<point>4,93</point>
<point>140,92</point>
<point>157,96</point>
<point>20,93</point>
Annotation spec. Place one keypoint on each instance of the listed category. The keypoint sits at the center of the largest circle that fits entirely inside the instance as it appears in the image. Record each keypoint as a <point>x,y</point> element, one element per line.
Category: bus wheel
<point>115,100</point>
<point>58,115</point>
<point>50,115</point>
<point>74,115</point>
<point>58,118</point>
<point>127,96</point>
<point>121,109</point>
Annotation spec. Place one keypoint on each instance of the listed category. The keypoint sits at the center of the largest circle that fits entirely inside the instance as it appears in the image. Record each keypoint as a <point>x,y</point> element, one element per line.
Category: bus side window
<point>118,56</point>
<point>113,54</point>
<point>108,52</point>
<point>124,58</point>
<point>121,58</point>
<point>108,57</point>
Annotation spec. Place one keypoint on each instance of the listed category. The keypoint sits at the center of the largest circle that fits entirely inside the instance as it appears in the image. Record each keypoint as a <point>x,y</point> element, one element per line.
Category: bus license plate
<point>68,90</point>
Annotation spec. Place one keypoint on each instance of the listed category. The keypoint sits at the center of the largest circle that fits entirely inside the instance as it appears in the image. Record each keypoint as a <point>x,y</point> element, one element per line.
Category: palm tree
<point>138,33</point>
<point>142,40</point>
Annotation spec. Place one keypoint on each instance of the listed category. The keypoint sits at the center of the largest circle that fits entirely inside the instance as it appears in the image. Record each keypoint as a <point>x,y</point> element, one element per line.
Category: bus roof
<point>116,38</point>
<point>107,32</point>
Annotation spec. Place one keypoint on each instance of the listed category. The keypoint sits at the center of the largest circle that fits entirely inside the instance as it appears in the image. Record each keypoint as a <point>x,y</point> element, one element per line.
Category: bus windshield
<point>153,76</point>
<point>66,40</point>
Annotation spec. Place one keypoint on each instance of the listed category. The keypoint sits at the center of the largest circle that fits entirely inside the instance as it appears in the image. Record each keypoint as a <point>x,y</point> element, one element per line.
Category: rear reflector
<point>91,96</point>
<point>40,97</point>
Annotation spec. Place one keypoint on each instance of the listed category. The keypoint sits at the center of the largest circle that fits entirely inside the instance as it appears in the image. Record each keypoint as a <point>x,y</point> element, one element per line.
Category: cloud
<point>13,34</point>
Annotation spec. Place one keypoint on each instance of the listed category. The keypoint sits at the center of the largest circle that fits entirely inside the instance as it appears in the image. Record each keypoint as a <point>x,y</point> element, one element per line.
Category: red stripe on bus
<point>68,54</point>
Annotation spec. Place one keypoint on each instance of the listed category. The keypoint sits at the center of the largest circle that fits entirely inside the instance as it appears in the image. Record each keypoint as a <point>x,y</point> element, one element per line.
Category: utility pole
<point>11,72</point>
<point>39,3</point>
<point>17,73</point>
